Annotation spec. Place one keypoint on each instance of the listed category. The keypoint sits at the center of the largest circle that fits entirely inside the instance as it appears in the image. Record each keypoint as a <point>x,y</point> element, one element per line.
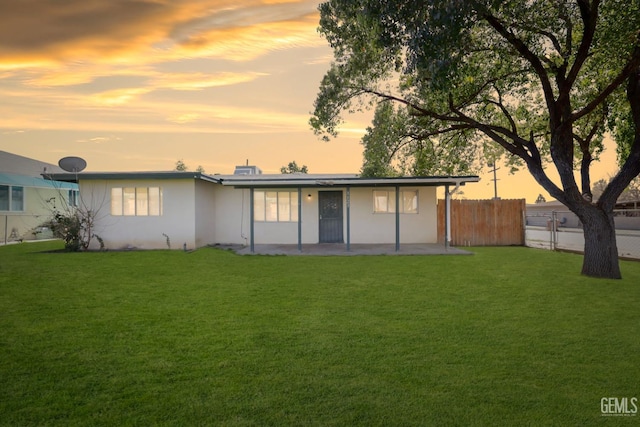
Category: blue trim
<point>33,182</point>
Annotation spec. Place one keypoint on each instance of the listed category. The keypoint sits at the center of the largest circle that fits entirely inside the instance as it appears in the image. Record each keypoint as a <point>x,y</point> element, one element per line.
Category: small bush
<point>74,228</point>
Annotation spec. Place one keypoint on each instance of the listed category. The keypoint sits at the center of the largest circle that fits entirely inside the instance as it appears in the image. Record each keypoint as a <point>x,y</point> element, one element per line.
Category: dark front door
<point>330,205</point>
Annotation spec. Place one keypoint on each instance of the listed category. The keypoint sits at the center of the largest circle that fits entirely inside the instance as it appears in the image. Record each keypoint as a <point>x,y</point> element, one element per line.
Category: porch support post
<point>251,245</point>
<point>348,218</point>
<point>299,219</point>
<point>447,217</point>
<point>397,218</point>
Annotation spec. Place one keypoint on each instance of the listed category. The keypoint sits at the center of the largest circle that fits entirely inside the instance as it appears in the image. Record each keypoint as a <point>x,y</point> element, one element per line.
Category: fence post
<point>554,230</point>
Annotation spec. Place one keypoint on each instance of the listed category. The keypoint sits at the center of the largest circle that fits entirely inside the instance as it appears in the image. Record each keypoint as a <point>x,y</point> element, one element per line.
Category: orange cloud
<point>198,81</point>
<point>247,43</point>
<point>147,31</point>
<point>118,96</point>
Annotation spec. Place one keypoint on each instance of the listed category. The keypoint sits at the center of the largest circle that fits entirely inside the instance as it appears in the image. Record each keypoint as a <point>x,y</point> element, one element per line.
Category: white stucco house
<point>157,210</point>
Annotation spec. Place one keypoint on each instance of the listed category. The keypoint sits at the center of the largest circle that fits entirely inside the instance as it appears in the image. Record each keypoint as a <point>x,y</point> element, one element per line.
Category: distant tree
<point>630,194</point>
<point>200,169</point>
<point>540,199</point>
<point>180,166</point>
<point>293,167</point>
<point>598,188</point>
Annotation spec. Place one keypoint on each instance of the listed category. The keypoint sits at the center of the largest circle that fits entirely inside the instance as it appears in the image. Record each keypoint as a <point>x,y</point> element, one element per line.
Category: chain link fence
<point>562,230</point>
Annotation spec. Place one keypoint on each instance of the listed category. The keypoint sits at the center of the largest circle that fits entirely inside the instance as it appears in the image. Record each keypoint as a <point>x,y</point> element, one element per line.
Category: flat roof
<point>274,180</point>
<point>339,180</point>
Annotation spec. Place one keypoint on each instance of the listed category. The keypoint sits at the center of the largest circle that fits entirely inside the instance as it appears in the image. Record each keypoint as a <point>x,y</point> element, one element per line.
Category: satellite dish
<point>72,164</point>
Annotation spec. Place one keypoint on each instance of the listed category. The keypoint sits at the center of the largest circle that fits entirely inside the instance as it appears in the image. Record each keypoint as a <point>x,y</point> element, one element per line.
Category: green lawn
<point>508,336</point>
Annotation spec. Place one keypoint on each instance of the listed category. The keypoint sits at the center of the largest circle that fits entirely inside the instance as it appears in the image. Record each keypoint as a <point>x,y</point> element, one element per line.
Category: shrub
<point>74,228</point>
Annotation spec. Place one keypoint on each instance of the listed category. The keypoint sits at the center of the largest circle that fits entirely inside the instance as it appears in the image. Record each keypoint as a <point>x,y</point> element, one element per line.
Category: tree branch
<point>526,53</point>
<point>589,15</point>
<point>504,110</point>
<point>633,63</point>
<point>421,110</point>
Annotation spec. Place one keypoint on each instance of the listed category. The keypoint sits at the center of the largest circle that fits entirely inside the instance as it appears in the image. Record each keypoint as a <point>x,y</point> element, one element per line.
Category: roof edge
<point>92,176</point>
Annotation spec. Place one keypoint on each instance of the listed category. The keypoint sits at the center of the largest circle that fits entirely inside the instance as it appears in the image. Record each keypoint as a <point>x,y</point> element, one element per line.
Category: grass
<point>507,336</point>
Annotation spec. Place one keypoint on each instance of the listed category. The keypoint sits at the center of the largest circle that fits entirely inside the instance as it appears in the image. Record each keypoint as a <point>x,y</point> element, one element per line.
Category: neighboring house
<point>626,214</point>
<point>540,215</point>
<point>27,200</point>
<point>154,210</point>
<point>568,234</point>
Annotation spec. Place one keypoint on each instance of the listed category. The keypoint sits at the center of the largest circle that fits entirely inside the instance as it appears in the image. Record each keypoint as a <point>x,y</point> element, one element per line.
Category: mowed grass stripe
<point>508,335</point>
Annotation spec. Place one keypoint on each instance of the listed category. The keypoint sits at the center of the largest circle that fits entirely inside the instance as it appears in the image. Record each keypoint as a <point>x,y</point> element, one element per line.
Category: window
<point>74,198</point>
<point>4,197</point>
<point>275,206</point>
<point>11,198</point>
<point>384,201</point>
<point>136,201</point>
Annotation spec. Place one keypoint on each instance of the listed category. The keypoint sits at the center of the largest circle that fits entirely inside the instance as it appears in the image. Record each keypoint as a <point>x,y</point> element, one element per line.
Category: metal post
<point>251,213</point>
<point>348,218</point>
<point>554,230</point>
<point>397,218</point>
<point>447,217</point>
<point>299,219</point>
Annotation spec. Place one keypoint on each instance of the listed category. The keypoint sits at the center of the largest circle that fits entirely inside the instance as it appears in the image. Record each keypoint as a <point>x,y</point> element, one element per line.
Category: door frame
<point>321,198</point>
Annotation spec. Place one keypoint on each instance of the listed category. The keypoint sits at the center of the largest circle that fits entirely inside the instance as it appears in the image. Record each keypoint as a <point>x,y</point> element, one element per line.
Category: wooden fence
<point>484,222</point>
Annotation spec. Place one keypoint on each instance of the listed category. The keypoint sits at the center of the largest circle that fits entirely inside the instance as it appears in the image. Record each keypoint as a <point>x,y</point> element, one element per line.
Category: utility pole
<point>495,180</point>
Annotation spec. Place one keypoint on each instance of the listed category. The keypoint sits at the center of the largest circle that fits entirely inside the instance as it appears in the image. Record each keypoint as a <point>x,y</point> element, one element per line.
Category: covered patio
<point>339,249</point>
<point>342,241</point>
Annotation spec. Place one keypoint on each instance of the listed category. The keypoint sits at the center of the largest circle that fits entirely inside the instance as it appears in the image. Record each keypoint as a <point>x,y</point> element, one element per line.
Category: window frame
<point>129,201</point>
<point>389,197</point>
<point>11,191</point>
<point>269,206</point>
<point>74,197</point>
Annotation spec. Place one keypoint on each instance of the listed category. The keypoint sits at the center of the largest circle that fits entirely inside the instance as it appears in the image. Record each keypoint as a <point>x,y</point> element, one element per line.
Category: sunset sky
<point>138,84</point>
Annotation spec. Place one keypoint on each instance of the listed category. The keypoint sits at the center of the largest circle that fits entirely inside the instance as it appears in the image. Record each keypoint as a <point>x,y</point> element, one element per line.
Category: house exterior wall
<point>197,213</point>
<point>231,213</point>
<point>144,232</point>
<point>232,219</point>
<point>369,227</point>
<point>205,213</point>
<point>287,232</point>
<point>26,224</point>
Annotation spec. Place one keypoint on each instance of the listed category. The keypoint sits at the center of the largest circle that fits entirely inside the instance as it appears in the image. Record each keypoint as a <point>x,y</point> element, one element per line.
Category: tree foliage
<point>293,167</point>
<point>181,166</point>
<point>630,194</point>
<point>541,80</point>
<point>392,149</point>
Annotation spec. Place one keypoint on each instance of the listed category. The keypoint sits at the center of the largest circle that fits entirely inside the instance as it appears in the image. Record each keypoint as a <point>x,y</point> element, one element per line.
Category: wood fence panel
<point>484,222</point>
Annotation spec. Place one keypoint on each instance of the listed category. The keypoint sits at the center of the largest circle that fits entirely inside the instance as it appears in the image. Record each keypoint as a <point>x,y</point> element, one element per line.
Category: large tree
<point>540,79</point>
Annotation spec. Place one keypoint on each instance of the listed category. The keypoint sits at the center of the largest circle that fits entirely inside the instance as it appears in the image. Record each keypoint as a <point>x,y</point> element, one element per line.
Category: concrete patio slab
<point>340,249</point>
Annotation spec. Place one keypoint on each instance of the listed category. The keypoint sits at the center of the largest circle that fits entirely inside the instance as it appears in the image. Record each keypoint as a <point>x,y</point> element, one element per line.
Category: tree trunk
<point>600,248</point>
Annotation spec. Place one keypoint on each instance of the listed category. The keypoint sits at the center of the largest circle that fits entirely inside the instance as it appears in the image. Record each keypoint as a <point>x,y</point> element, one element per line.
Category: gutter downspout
<point>299,219</point>
<point>252,246</point>
<point>397,218</point>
